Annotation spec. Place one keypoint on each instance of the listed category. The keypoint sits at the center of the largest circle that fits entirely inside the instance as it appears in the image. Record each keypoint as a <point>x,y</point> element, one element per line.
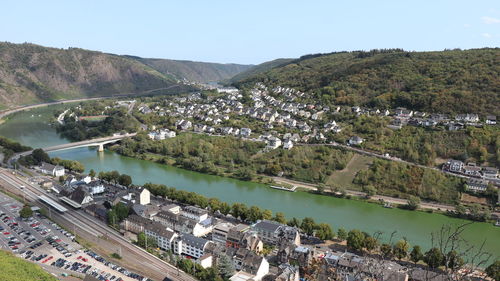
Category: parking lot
<point>39,240</point>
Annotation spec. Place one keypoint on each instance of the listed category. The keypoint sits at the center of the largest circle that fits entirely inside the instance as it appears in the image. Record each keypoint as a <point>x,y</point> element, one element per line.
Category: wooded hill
<point>32,74</point>
<point>450,81</point>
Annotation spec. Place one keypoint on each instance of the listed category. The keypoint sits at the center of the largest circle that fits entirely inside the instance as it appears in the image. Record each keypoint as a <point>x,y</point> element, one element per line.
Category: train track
<point>88,224</point>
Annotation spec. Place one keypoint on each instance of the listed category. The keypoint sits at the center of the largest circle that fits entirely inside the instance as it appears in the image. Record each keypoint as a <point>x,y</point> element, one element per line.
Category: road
<point>96,232</point>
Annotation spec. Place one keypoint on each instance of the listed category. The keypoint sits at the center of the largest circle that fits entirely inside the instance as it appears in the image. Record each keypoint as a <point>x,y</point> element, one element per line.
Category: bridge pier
<point>101,148</point>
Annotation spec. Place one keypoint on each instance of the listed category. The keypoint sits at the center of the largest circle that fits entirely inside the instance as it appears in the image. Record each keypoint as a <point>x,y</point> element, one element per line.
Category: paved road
<point>96,232</point>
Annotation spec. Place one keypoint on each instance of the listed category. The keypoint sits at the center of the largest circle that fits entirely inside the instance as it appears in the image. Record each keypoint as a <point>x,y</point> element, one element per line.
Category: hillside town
<point>278,119</point>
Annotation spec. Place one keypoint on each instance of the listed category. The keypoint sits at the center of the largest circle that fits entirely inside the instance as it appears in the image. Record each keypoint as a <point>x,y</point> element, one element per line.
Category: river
<point>31,128</point>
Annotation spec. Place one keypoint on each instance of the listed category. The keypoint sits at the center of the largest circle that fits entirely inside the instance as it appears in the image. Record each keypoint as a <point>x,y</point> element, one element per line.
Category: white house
<point>164,237</point>
<point>273,143</point>
<point>52,170</point>
<point>144,196</point>
<point>190,245</point>
<point>288,144</point>
<point>355,140</point>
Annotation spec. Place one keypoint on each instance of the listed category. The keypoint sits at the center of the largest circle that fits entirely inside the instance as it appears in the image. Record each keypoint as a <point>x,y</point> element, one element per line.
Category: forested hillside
<point>451,81</point>
<point>32,74</point>
<point>195,71</point>
<point>258,69</point>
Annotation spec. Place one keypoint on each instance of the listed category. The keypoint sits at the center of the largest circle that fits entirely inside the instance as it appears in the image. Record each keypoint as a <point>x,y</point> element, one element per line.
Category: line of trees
<point>39,156</point>
<point>9,147</point>
<point>115,177</point>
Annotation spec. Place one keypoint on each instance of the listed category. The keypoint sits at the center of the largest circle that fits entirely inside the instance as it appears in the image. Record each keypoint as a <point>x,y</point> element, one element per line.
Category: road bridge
<point>99,142</point>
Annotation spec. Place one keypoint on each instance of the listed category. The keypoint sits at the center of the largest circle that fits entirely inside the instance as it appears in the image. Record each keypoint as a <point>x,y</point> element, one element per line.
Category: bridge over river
<point>99,142</point>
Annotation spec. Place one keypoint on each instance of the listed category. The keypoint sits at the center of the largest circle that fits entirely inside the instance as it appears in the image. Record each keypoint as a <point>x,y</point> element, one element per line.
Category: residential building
<point>194,213</point>
<point>467,118</point>
<point>355,140</point>
<point>477,185</point>
<point>267,231</point>
<point>76,198</point>
<point>490,172</point>
<point>53,170</point>
<point>235,235</point>
<point>164,237</point>
<point>220,232</point>
<point>455,166</point>
<point>273,143</point>
<point>288,144</point>
<point>144,196</point>
<point>491,120</point>
<point>190,245</point>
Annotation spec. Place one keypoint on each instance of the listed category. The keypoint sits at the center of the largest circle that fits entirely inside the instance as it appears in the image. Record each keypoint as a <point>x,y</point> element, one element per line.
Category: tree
<point>225,208</point>
<point>355,240</point>
<point>401,249</point>
<point>226,267</point>
<point>324,232</point>
<point>434,258</point>
<point>146,242</point>
<point>342,234</point>
<point>254,213</point>
<point>121,210</point>
<point>386,250</point>
<point>125,180</point>
<point>239,210</point>
<point>112,217</point>
<point>416,254</point>
<point>493,270</point>
<point>280,217</point>
<point>26,212</point>
<point>267,214</point>
<point>92,173</point>
<point>308,225</point>
<point>370,190</point>
<point>371,243</point>
<point>320,187</point>
<point>453,260</point>
<point>40,156</point>
<point>294,222</point>
<point>413,203</point>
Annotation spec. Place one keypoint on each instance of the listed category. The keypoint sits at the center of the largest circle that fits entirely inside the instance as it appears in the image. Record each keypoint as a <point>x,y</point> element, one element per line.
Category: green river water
<point>31,128</point>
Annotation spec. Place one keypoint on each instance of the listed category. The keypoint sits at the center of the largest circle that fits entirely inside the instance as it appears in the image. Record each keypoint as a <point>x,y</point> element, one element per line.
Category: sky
<point>253,31</point>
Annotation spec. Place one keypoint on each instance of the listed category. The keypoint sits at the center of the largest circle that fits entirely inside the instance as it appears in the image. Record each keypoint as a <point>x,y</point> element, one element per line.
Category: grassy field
<point>343,178</point>
<point>17,269</point>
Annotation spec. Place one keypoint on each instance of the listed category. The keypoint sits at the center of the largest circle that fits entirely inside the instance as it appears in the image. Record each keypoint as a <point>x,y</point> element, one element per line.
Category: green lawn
<point>16,269</point>
<point>343,178</point>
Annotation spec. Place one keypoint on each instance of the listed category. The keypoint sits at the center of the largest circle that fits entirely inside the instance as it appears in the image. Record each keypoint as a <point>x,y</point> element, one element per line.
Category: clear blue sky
<point>250,31</point>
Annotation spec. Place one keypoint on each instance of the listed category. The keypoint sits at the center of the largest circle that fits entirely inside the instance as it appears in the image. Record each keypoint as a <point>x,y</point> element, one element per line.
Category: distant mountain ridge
<point>450,81</point>
<point>195,71</point>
